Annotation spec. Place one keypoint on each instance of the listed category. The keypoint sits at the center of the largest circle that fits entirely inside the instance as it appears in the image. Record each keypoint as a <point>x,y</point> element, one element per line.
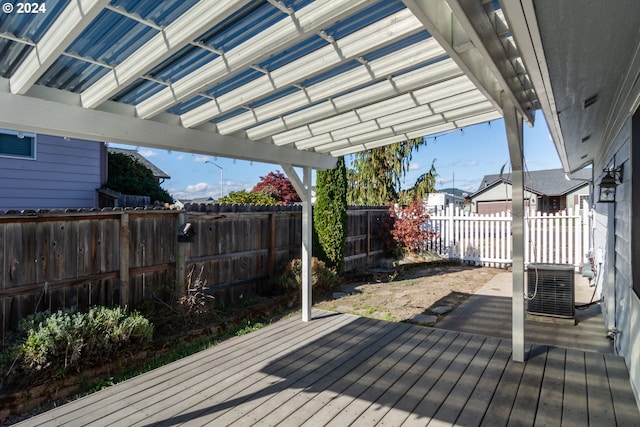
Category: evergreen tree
<point>330,215</point>
<point>376,175</point>
<point>128,176</point>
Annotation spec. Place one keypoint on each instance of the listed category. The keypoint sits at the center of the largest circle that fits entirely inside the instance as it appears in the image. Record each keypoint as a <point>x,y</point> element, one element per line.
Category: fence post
<point>271,254</point>
<point>181,259</point>
<point>124,260</point>
<point>450,235</point>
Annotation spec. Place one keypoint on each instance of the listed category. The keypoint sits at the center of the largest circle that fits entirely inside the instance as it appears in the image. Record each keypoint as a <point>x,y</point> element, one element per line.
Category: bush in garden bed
<point>69,338</point>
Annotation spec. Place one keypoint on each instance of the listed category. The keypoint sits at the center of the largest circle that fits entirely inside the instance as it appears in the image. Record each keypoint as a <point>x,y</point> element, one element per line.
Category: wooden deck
<point>346,370</point>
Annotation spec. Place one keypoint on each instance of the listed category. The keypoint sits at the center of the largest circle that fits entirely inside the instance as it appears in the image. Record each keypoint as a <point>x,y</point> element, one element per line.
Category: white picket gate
<point>561,238</point>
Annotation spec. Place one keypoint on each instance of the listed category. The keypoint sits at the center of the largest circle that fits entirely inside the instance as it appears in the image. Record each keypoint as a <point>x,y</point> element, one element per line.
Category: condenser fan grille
<point>555,293</point>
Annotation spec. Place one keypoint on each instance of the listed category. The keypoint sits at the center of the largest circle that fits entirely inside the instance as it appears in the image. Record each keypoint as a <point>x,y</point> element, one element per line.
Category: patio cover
<point>293,82</point>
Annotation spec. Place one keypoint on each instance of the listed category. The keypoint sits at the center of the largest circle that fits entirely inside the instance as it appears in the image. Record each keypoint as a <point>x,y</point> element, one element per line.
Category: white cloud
<point>148,153</point>
<point>203,190</point>
<point>472,163</point>
<point>180,157</point>
<point>414,166</point>
<point>201,159</point>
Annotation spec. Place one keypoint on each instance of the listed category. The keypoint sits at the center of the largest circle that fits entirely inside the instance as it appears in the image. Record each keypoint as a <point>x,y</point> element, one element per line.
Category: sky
<point>462,158</point>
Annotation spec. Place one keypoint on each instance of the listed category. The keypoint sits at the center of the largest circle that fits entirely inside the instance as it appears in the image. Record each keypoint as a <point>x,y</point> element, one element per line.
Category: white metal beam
<point>284,33</point>
<point>182,31</point>
<point>31,114</point>
<point>445,26</point>
<point>354,45</point>
<point>303,187</point>
<point>72,21</point>
<point>513,127</point>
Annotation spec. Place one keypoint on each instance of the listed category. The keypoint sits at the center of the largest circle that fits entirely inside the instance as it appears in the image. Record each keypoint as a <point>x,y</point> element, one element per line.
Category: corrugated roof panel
<point>71,74</point>
<point>364,18</point>
<point>296,4</point>
<point>228,115</point>
<point>394,47</point>
<point>234,82</point>
<point>32,26</point>
<point>111,38</point>
<point>11,56</point>
<point>182,63</point>
<point>242,25</point>
<point>140,90</point>
<point>294,52</point>
<point>273,97</point>
<point>343,68</point>
<point>188,105</point>
<point>159,12</point>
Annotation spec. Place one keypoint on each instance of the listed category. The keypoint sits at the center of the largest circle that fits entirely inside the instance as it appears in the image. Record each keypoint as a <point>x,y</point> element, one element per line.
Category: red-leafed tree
<point>409,229</point>
<point>278,186</point>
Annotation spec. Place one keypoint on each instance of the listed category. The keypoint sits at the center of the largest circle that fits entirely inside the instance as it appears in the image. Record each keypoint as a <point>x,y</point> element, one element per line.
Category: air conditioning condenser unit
<point>551,288</point>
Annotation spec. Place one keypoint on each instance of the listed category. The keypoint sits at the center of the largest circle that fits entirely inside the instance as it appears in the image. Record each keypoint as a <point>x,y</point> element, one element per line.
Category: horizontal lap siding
<point>65,174</point>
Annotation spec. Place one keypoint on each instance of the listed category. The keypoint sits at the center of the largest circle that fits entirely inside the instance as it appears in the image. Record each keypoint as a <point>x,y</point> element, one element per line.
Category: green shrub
<point>322,277</point>
<point>60,340</point>
<point>244,197</point>
<point>330,215</point>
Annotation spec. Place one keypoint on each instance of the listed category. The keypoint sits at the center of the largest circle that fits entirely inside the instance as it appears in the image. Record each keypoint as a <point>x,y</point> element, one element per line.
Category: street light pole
<point>221,176</point>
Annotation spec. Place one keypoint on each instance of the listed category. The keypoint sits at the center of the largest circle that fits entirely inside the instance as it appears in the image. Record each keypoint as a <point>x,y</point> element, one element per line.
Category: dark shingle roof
<point>157,172</point>
<point>549,182</point>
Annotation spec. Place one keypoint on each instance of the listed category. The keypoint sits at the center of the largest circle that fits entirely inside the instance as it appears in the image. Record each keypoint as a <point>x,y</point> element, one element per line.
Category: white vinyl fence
<point>561,238</point>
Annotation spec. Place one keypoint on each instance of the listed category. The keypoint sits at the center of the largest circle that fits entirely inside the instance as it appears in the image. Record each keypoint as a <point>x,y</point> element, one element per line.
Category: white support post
<point>513,126</point>
<point>304,191</point>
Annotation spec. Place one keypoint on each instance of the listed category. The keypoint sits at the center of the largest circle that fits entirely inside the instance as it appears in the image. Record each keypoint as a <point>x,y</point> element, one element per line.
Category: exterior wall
<point>497,199</point>
<point>573,198</point>
<point>65,174</point>
<point>613,222</point>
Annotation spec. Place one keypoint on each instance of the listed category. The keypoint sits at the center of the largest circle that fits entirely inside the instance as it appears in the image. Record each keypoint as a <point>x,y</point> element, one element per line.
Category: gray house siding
<point>621,306</point>
<point>64,174</point>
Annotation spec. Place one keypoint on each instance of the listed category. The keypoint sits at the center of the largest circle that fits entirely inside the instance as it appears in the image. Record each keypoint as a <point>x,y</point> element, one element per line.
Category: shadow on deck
<point>345,370</point>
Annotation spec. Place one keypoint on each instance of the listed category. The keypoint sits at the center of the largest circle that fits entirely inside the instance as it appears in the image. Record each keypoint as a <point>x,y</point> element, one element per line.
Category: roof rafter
<point>285,33</point>
<point>71,22</point>
<point>405,107</point>
<point>181,32</point>
<point>449,23</point>
<point>444,71</point>
<point>394,63</point>
<point>417,120</point>
<point>368,39</point>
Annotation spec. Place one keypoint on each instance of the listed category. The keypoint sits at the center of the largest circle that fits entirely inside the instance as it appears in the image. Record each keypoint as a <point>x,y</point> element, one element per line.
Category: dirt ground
<point>420,295</point>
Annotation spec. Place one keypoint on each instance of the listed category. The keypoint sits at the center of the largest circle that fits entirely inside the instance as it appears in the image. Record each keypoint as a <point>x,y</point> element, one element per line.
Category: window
<point>19,145</point>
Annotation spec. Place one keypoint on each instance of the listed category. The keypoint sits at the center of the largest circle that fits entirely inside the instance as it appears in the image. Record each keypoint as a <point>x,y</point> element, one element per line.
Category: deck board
<point>574,404</point>
<point>346,370</point>
<point>550,404</point>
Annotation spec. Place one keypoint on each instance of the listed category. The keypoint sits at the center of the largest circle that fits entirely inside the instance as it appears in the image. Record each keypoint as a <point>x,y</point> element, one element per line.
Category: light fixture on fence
<point>608,184</point>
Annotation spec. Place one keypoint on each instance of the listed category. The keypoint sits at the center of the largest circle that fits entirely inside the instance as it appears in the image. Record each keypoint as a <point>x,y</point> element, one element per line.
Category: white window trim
<point>34,138</point>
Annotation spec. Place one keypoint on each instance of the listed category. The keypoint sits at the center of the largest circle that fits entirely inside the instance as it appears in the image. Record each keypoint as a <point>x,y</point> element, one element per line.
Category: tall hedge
<point>330,215</point>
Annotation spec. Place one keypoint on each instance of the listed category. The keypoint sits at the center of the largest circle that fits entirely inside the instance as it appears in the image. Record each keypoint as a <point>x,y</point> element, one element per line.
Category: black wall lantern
<point>608,184</point>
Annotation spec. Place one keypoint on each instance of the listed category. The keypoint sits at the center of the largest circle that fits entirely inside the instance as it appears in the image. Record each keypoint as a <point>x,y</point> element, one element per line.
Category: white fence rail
<point>561,238</point>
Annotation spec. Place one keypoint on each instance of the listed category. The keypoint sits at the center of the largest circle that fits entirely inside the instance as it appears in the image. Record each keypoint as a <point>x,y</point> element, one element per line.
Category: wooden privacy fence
<point>561,238</point>
<point>52,260</point>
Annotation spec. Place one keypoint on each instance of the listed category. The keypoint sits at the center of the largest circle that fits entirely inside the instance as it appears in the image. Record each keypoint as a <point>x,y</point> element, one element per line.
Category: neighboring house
<point>547,191</point>
<point>49,172</point>
<point>441,200</point>
<point>157,172</point>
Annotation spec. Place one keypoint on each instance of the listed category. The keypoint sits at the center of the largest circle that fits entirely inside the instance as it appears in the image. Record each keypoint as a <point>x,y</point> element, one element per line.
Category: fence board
<point>53,260</point>
<point>486,239</point>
